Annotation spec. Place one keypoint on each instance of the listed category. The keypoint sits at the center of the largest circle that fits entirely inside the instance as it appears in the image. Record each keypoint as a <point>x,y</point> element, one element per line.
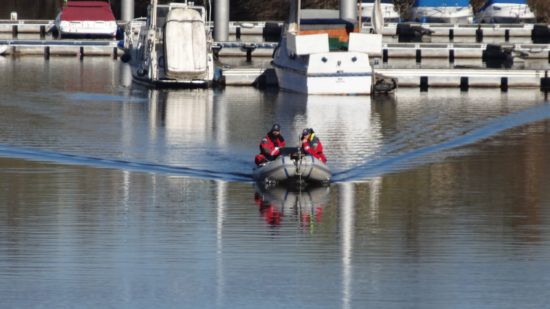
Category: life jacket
<point>269,143</point>
<point>314,147</point>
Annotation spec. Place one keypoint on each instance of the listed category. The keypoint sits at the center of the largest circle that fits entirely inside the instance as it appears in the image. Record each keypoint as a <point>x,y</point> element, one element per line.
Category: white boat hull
<point>320,71</point>
<point>359,83</point>
<point>444,14</point>
<point>506,13</point>
<point>87,28</point>
<point>388,11</point>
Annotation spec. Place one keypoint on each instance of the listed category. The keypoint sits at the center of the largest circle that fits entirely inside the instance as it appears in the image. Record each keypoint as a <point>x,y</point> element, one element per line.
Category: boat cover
<point>87,10</point>
<point>491,2</point>
<point>439,3</point>
<point>185,44</point>
<point>381,1</point>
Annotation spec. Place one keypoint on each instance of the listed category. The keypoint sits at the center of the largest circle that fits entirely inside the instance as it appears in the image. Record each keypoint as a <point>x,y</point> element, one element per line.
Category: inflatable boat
<point>291,167</point>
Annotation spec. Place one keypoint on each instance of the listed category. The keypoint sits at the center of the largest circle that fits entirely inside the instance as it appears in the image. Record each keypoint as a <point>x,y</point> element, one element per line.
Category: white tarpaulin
<point>377,18</point>
<point>185,44</point>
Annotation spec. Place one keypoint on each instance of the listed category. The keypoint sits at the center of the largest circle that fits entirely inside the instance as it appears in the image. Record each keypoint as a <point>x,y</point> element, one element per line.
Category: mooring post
<point>216,48</point>
<point>249,48</point>
<point>423,83</point>
<point>464,85</point>
<point>127,10</point>
<point>545,83</point>
<point>479,34</point>
<point>221,20</point>
<point>504,84</point>
<point>348,9</point>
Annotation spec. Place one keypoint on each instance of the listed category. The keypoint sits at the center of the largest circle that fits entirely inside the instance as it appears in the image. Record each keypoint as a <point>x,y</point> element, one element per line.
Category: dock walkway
<point>422,78</point>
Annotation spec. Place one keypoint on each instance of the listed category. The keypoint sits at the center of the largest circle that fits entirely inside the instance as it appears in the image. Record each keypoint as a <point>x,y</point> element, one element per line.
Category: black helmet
<point>276,127</point>
<point>306,131</point>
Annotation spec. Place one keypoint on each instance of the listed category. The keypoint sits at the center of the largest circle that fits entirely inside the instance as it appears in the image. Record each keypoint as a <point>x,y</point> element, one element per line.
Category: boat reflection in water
<point>348,127</point>
<point>304,207</point>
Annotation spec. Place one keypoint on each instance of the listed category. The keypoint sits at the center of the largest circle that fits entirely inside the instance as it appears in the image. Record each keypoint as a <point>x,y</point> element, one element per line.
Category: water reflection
<point>182,111</point>
<point>347,221</point>
<point>114,215</point>
<point>281,204</point>
<point>347,126</point>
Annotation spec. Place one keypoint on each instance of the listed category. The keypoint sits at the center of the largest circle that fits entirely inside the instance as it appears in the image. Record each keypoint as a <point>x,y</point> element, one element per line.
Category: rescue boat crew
<point>312,145</point>
<point>270,145</point>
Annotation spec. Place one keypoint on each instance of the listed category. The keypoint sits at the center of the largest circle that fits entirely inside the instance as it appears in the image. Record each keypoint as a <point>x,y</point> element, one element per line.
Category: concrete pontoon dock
<point>463,30</point>
<point>48,48</point>
<point>420,78</point>
<point>261,27</point>
<point>466,78</point>
<point>26,26</point>
<point>416,51</point>
<point>424,78</point>
<point>400,50</point>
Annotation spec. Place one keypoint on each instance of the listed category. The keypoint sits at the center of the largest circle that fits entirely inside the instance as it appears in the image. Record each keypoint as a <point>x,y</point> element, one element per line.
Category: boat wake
<point>388,162</point>
<point>146,167</point>
<point>402,152</point>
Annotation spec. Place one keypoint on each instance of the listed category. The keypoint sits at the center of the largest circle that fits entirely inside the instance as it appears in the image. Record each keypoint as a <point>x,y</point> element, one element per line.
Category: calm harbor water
<point>119,196</point>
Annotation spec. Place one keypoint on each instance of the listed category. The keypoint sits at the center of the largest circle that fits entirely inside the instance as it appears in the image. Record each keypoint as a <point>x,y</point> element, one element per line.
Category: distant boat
<point>442,11</point>
<point>86,18</point>
<point>389,11</point>
<point>505,11</point>
<point>321,53</point>
<point>174,48</point>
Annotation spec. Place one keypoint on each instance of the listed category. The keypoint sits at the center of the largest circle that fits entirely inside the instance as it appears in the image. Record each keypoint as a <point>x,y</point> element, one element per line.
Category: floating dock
<point>469,78</point>
<point>462,78</point>
<point>416,51</point>
<point>26,26</point>
<point>421,78</point>
<point>47,48</point>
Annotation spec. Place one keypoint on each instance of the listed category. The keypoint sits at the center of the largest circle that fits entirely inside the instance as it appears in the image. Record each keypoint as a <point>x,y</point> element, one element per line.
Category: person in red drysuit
<point>270,145</point>
<point>312,145</point>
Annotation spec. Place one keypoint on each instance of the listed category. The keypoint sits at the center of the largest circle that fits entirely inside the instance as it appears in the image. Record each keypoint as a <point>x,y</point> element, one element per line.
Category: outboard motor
<point>540,34</point>
<point>410,33</point>
<point>495,57</point>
